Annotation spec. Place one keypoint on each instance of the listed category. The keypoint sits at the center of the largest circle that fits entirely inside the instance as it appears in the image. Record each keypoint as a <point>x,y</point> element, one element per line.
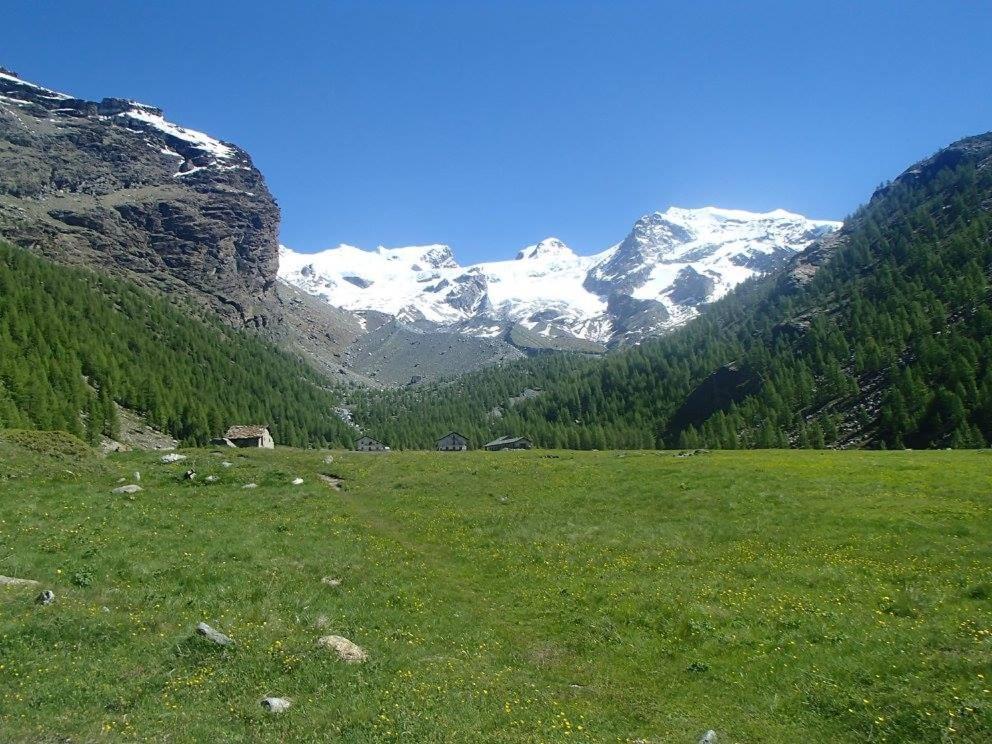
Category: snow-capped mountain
<point>669,265</point>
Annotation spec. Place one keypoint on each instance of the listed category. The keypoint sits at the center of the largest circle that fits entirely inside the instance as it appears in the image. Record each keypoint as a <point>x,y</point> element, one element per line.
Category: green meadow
<point>774,596</point>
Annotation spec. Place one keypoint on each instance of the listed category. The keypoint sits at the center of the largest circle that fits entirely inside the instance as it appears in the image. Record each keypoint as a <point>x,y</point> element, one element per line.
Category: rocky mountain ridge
<point>112,184</point>
<point>668,266</point>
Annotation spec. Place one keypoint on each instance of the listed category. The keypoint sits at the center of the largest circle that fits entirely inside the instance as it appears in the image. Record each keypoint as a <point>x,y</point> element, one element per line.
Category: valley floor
<point>502,597</point>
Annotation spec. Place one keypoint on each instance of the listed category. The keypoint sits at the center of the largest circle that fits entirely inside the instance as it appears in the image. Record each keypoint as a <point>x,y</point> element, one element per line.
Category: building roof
<point>371,439</point>
<point>449,434</point>
<point>246,432</point>
<point>505,440</point>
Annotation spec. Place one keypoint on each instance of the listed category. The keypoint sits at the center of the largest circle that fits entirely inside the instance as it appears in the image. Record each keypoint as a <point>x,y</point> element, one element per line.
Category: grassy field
<point>502,597</point>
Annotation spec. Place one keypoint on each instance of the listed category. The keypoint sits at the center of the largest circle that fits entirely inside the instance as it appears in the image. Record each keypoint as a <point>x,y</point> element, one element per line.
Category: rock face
<point>114,185</point>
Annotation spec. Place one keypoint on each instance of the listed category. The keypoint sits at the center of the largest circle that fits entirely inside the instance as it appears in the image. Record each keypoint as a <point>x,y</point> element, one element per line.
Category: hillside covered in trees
<point>877,336</point>
<point>880,336</point>
<point>73,342</point>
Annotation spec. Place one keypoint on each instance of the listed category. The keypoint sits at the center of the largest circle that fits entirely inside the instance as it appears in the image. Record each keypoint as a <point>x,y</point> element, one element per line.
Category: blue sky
<point>490,125</point>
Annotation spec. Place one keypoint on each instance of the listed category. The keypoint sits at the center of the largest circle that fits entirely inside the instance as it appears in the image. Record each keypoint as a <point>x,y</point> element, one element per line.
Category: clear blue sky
<point>490,125</point>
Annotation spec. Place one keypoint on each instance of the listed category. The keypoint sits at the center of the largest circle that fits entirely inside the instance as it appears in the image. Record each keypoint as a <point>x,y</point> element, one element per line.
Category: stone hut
<point>452,442</point>
<point>250,436</point>
<point>368,444</point>
<point>509,443</point>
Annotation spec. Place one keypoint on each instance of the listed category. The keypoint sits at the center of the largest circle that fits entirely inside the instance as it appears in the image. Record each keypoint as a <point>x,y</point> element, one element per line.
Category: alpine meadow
<point>613,431</point>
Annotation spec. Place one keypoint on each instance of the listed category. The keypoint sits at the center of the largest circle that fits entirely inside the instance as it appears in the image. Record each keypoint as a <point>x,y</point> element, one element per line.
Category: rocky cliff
<point>114,185</point>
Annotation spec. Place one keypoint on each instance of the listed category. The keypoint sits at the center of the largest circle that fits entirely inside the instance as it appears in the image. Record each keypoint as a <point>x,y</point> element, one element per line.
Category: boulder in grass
<point>297,481</point>
<point>348,652</point>
<point>250,485</point>
<point>131,488</point>
<point>331,582</point>
<point>14,581</point>
<point>212,479</point>
<point>45,598</point>
<point>709,737</point>
<point>276,704</point>
<point>173,457</point>
<point>215,636</point>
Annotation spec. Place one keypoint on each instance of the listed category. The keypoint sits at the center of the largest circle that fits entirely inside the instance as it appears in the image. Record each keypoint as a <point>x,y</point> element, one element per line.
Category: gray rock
<point>250,485</point>
<point>709,737</point>
<point>211,479</point>
<point>46,597</point>
<point>227,464</point>
<point>297,481</point>
<point>173,457</point>
<point>329,459</point>
<point>14,581</point>
<point>348,652</point>
<point>213,635</point>
<point>131,488</point>
<point>276,704</point>
<point>189,475</point>
<point>331,582</point>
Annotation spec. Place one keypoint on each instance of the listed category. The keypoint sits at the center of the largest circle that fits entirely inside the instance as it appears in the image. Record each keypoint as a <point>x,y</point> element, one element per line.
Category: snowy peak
<point>547,249</point>
<point>668,266</point>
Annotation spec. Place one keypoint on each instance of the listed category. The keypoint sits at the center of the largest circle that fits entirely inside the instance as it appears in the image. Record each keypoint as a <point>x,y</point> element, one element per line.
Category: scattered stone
<point>13,581</point>
<point>131,488</point>
<point>212,478</point>
<point>227,464</point>
<point>709,737</point>
<point>189,475</point>
<point>347,651</point>
<point>276,704</point>
<point>330,480</point>
<point>173,457</point>
<point>297,481</point>
<point>122,479</point>
<point>137,475</point>
<point>250,485</point>
<point>329,459</point>
<point>321,621</point>
<point>46,597</point>
<point>331,582</point>
<point>109,445</point>
<point>213,635</point>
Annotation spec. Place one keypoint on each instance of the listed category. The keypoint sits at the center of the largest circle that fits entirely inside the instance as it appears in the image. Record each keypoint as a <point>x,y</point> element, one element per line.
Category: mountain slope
<point>878,335</point>
<point>72,343</point>
<point>113,185</point>
<point>669,265</point>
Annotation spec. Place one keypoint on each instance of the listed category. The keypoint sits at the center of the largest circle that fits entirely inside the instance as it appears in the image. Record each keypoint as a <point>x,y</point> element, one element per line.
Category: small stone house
<point>250,436</point>
<point>368,444</point>
<point>509,443</point>
<point>452,442</point>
